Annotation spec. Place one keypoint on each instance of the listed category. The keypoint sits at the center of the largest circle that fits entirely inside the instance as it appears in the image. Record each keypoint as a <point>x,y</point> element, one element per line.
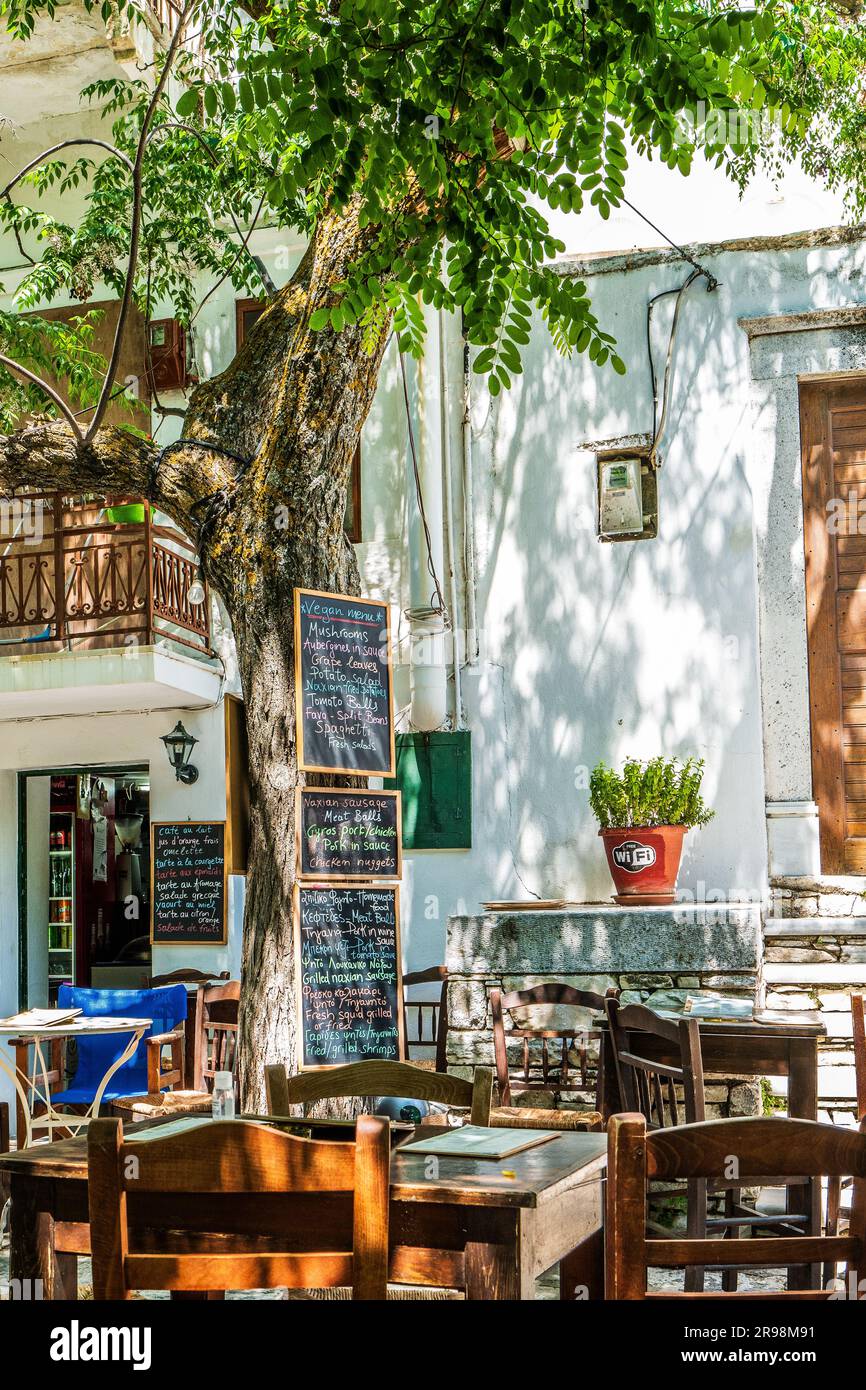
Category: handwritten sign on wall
<point>343,681</point>
<point>189,888</point>
<point>348,834</point>
<point>347,943</point>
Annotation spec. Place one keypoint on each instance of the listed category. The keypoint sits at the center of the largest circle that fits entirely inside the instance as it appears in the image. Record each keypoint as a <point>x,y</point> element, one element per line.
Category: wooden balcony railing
<point>75,575</point>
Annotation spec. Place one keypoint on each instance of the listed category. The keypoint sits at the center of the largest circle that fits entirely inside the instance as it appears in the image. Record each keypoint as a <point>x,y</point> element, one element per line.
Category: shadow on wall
<point>605,651</point>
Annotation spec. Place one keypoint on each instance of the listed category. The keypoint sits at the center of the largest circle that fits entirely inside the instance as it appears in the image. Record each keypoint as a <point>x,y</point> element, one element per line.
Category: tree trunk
<point>265,641</point>
<point>265,506</point>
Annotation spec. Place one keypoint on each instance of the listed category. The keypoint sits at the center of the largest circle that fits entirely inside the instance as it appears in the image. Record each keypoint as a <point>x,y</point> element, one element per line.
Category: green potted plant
<point>643,813</point>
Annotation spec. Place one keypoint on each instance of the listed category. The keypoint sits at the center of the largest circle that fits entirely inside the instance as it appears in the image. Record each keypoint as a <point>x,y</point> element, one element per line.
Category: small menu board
<point>348,834</point>
<point>344,709</point>
<point>189,885</point>
<point>350,998</point>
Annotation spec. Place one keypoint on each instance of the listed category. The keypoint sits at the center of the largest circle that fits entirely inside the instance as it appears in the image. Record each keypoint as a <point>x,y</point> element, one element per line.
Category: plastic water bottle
<point>223,1096</point>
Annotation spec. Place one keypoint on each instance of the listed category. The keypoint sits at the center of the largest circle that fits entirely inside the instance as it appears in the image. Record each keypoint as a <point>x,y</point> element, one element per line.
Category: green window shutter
<point>434,773</point>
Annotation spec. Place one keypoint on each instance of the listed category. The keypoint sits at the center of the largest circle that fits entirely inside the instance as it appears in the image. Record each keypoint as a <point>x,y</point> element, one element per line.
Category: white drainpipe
<point>428,672</point>
<point>469,564</point>
<point>446,343</point>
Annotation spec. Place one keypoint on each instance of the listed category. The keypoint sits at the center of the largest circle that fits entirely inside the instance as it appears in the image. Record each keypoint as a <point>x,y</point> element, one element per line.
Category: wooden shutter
<point>833,435</point>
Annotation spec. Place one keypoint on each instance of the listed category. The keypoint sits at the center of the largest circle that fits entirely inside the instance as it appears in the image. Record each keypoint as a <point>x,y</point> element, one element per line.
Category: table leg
<point>33,1260</point>
<point>493,1258</point>
<point>128,1051</point>
<point>22,1110</point>
<point>581,1273</point>
<point>803,1105</point>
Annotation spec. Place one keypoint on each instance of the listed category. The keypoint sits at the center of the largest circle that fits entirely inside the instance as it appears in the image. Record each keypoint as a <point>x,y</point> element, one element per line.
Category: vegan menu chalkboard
<point>188,883</point>
<point>348,834</point>
<point>350,997</point>
<point>344,713</point>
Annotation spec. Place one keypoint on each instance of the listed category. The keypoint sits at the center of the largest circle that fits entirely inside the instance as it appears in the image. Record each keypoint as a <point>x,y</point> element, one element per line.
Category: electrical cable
<point>712,282</point>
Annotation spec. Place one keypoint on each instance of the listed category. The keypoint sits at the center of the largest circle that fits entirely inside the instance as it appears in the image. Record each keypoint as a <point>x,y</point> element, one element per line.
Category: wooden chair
<point>835,1185</point>
<point>216,1033</point>
<point>539,1071</point>
<point>649,1087</point>
<point>426,1020</point>
<point>194,980</point>
<point>214,1015</point>
<point>375,1078</point>
<point>5,1145</point>
<point>290,1232</point>
<point>765,1149</point>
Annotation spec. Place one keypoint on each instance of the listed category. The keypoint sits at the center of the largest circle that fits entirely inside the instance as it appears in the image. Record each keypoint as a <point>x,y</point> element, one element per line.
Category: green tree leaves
<point>455,134</point>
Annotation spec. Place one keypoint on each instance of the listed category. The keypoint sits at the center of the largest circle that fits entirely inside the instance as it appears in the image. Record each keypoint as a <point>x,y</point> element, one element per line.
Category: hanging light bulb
<point>196,594</point>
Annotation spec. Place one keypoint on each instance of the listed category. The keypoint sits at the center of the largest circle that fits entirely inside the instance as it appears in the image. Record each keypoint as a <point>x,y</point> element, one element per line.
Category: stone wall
<point>815,958</point>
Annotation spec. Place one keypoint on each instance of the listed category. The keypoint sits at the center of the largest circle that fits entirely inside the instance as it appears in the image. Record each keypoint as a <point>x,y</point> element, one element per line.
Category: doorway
<point>84,867</point>
<point>833,438</point>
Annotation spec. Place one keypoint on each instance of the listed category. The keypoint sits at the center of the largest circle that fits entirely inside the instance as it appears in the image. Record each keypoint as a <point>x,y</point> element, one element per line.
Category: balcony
<point>95,592</point>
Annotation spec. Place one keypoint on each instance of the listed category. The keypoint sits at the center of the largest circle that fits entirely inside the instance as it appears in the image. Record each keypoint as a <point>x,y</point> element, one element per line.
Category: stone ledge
<point>595,940</point>
<point>833,973</point>
<point>822,883</point>
<point>780,928</point>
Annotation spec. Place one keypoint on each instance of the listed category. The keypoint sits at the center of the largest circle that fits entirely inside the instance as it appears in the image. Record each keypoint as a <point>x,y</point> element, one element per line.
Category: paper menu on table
<point>474,1141</point>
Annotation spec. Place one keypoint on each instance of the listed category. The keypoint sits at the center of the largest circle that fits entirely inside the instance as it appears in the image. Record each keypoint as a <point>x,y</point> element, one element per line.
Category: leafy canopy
<point>447,127</point>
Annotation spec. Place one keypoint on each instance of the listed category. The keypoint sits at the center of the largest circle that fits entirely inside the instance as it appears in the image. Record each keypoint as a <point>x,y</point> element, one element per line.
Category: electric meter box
<point>620,497</point>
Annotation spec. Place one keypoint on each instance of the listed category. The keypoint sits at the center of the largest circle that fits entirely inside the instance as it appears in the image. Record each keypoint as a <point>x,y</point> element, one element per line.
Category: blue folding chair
<point>144,1070</point>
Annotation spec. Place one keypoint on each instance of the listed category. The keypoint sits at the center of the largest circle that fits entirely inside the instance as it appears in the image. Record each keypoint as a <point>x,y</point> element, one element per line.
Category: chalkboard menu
<point>350,998</point>
<point>188,883</point>
<point>343,701</point>
<point>348,834</point>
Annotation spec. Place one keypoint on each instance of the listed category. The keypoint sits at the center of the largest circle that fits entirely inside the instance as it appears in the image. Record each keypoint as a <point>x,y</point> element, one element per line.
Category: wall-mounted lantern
<point>179,745</point>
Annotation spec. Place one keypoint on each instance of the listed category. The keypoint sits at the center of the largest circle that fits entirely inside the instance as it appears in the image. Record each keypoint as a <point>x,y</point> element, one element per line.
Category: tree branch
<point>50,458</point>
<point>135,227</point>
<point>49,391</point>
<point>54,149</point>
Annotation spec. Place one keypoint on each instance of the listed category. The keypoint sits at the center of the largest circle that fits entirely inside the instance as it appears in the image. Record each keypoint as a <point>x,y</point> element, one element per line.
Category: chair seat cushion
<point>530,1117</point>
<point>400,1293</point>
<point>172,1103</point>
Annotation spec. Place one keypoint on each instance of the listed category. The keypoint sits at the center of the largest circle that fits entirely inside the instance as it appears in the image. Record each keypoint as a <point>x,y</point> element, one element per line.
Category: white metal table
<point>35,1088</point>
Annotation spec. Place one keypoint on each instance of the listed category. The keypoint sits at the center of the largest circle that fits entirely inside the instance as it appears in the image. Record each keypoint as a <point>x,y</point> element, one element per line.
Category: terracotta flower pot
<point>644,862</point>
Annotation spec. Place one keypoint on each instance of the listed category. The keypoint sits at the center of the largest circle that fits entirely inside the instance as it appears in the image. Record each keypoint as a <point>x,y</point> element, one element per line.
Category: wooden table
<point>468,1226</point>
<point>773,1044</point>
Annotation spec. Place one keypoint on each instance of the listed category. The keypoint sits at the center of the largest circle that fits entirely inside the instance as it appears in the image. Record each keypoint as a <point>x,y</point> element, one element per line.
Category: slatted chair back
<point>375,1078</point>
<point>649,1085</point>
<point>539,1070</point>
<point>234,1177</point>
<point>765,1149</point>
<point>426,1020</point>
<point>216,1015</point>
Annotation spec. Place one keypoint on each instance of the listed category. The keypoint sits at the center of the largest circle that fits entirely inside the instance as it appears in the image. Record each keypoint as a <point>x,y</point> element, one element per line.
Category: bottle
<point>223,1096</point>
